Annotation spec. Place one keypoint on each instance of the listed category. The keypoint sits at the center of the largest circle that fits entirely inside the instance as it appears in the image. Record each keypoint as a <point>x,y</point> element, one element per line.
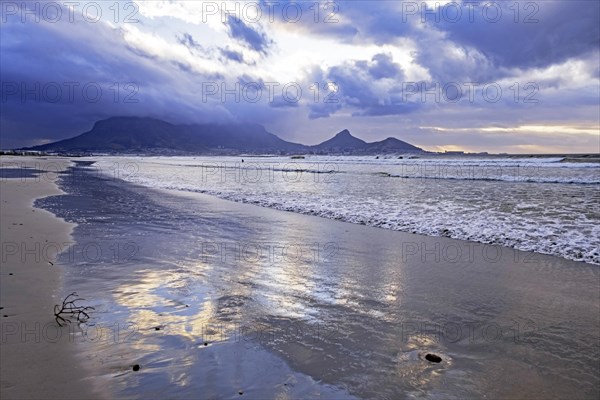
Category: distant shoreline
<point>567,157</point>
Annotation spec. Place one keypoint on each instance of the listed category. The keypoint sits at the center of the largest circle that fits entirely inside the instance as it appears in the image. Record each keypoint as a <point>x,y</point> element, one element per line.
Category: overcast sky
<point>515,76</point>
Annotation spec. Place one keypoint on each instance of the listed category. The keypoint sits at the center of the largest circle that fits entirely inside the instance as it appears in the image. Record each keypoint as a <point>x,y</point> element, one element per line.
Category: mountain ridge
<point>152,135</point>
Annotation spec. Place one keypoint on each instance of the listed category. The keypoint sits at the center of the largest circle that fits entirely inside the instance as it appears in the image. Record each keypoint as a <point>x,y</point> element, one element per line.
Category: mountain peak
<point>341,142</point>
<point>392,144</point>
<point>344,133</point>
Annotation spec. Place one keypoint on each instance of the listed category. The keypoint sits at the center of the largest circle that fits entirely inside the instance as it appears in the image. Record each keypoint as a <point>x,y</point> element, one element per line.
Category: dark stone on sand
<point>10,273</point>
<point>5,316</point>
<point>157,328</point>
<point>433,358</point>
<point>206,343</point>
<point>136,367</point>
<point>240,392</point>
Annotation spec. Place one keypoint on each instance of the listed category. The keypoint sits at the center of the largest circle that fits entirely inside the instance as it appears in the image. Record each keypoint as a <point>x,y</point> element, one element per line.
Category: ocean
<point>547,205</point>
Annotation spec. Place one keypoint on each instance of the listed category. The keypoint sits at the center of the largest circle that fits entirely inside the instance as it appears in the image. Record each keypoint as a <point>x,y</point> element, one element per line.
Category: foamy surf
<point>542,205</point>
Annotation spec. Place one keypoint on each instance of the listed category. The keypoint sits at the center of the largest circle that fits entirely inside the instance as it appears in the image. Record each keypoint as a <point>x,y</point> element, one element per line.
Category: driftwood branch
<point>63,313</point>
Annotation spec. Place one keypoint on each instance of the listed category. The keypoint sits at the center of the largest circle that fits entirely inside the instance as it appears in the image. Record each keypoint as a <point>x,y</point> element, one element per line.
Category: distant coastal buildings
<point>462,153</point>
<point>22,153</point>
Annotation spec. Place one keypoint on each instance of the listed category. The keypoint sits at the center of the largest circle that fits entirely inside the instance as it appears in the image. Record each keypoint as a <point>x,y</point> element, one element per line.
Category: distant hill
<point>344,142</point>
<point>125,134</point>
<point>392,145</point>
<point>135,134</point>
<point>341,142</point>
<point>150,135</point>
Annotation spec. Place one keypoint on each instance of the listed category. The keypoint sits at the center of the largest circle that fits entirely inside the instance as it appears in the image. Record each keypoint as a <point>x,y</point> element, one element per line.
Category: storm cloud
<point>254,39</point>
<point>370,65</point>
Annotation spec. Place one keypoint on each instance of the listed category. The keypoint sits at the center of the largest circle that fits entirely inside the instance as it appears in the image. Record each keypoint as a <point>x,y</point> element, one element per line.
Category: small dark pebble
<point>10,273</point>
<point>240,393</point>
<point>5,316</point>
<point>136,367</point>
<point>433,358</point>
<point>206,343</point>
<point>157,328</point>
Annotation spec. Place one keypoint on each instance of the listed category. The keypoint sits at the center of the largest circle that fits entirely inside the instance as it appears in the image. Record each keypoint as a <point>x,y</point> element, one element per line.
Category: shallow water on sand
<point>212,298</point>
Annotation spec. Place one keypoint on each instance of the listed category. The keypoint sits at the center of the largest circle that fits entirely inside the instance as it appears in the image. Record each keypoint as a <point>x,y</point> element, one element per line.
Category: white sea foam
<point>543,205</point>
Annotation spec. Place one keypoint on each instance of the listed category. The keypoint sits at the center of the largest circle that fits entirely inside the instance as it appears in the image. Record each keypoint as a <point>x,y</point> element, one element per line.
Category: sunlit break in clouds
<point>513,77</point>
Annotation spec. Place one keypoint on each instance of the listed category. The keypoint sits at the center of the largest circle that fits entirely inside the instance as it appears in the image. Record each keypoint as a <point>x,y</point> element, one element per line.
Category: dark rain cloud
<point>496,35</point>
<point>462,51</point>
<point>58,79</point>
<point>383,66</point>
<point>358,87</point>
<point>528,34</point>
<point>246,34</point>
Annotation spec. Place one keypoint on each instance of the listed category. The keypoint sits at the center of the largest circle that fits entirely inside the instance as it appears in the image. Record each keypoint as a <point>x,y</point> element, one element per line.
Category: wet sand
<point>37,358</point>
